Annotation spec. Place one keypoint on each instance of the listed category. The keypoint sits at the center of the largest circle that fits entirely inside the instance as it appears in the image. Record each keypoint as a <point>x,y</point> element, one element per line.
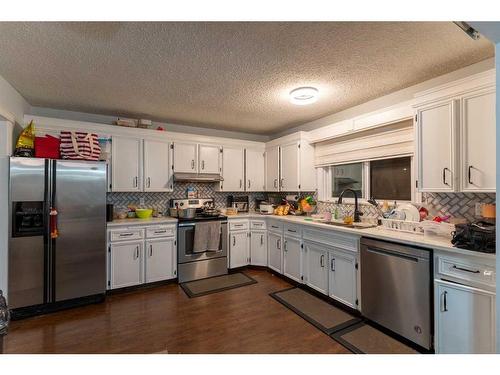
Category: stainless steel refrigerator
<point>43,270</point>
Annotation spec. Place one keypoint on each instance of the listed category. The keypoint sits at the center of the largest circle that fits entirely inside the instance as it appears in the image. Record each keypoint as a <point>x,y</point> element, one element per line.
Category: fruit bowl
<point>143,213</point>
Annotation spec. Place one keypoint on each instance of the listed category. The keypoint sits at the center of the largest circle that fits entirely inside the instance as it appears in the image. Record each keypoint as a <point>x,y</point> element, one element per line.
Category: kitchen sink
<point>353,225</point>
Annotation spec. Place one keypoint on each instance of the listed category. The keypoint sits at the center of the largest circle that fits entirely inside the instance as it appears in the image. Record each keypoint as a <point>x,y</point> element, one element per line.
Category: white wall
<point>12,105</point>
<point>391,99</point>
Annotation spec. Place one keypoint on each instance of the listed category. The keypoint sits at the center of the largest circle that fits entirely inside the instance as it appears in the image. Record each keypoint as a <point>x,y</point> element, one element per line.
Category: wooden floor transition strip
<point>316,311</point>
<point>198,288</point>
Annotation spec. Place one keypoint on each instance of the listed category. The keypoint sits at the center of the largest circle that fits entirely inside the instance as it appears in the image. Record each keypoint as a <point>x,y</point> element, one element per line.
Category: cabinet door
<point>274,242</point>
<point>238,249</point>
<point>464,318</point>
<point>126,164</point>
<point>126,264</point>
<point>292,256</point>
<point>290,167</point>
<point>258,248</point>
<point>209,160</point>
<point>316,266</point>
<point>233,168</point>
<point>342,277</point>
<point>436,147</point>
<point>255,170</point>
<point>157,166</point>
<point>272,168</point>
<point>185,157</point>
<point>478,142</point>
<point>160,260</point>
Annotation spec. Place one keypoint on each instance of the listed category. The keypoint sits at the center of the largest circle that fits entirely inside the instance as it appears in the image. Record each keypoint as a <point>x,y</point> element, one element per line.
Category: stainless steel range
<point>194,265</point>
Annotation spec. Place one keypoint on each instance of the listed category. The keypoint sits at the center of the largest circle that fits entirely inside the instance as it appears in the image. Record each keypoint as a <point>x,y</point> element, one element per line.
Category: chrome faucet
<point>357,212</point>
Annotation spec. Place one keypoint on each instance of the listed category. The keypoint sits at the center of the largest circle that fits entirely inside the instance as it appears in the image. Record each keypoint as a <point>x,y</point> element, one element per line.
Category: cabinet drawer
<point>238,225</point>
<point>467,270</point>
<point>275,226</point>
<point>126,234</point>
<point>257,224</point>
<point>294,230</point>
<point>332,238</point>
<point>160,231</point>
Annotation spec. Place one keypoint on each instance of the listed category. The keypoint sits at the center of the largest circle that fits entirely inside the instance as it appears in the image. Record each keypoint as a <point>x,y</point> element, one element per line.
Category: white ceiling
<point>232,76</point>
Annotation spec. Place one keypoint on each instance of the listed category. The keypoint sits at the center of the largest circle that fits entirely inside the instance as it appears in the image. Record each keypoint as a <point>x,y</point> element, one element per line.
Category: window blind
<point>385,142</point>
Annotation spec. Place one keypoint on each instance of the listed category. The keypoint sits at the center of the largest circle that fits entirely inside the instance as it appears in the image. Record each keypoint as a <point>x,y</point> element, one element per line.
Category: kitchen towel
<point>207,236</point>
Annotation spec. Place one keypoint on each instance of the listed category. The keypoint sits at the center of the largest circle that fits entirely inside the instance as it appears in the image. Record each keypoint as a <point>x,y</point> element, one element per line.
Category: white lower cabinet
<point>126,264</point>
<point>343,277</point>
<point>464,319</point>
<point>161,262</point>
<point>258,248</point>
<point>150,257</point>
<point>274,245</point>
<point>239,249</point>
<point>315,266</point>
<point>292,258</point>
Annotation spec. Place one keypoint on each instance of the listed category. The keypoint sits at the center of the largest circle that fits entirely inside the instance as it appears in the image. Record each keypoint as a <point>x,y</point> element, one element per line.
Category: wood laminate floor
<point>242,320</point>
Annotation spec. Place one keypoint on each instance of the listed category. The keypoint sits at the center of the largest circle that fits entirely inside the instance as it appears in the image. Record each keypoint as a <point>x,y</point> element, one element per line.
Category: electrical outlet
<point>141,201</point>
<point>478,209</point>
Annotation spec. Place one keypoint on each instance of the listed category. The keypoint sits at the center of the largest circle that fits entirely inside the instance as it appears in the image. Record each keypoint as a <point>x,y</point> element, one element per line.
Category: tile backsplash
<point>161,201</point>
<point>458,205</point>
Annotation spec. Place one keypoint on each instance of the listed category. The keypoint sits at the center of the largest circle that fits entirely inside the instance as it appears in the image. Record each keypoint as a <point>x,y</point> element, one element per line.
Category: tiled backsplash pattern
<point>458,205</point>
<point>160,201</point>
<point>461,205</point>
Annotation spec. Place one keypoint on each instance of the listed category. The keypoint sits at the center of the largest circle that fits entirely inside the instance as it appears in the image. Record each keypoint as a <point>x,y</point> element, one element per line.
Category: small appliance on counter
<point>239,202</point>
<point>258,202</point>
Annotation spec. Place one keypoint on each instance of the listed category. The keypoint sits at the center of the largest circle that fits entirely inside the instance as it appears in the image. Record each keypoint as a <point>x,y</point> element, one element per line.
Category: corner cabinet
<point>455,136</point>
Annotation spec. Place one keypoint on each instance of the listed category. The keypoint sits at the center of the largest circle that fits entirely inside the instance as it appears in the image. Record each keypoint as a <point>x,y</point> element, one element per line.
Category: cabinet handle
<point>135,181</point>
<point>278,244</point>
<point>234,240</point>
<point>126,234</point>
<point>470,170</point>
<point>238,225</point>
<point>274,226</point>
<point>281,182</point>
<point>192,164</point>
<point>292,230</point>
<point>465,269</point>
<point>332,265</point>
<point>444,306</point>
<point>249,184</point>
<point>322,260</point>
<point>150,250</point>
<point>241,183</point>
<point>262,239</point>
<point>203,164</point>
<point>160,231</point>
<point>149,182</point>
<point>444,176</point>
<point>284,245</point>
<point>136,253</point>
<point>275,183</point>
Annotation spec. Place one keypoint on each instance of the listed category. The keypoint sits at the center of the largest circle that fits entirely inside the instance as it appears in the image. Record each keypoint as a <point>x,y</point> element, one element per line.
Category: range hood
<point>197,177</point>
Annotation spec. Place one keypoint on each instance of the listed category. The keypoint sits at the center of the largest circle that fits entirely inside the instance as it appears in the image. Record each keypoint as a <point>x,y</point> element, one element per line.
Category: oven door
<point>185,240</point>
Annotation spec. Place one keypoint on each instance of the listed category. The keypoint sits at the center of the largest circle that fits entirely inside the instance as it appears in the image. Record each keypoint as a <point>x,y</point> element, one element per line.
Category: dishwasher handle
<point>392,253</point>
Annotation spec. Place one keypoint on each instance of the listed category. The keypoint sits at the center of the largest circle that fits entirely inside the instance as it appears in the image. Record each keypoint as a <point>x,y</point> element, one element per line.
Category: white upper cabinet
<point>255,170</point>
<point>455,136</point>
<point>272,168</point>
<point>185,157</point>
<point>233,169</point>
<point>157,166</point>
<point>477,162</point>
<point>209,159</point>
<point>289,173</point>
<point>126,164</point>
<point>436,128</point>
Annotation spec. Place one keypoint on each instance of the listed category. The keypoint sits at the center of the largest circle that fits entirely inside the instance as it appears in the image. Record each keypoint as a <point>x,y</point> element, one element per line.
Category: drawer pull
<point>292,230</point>
<point>126,234</point>
<point>160,231</point>
<point>465,269</point>
<point>274,226</point>
<point>238,225</point>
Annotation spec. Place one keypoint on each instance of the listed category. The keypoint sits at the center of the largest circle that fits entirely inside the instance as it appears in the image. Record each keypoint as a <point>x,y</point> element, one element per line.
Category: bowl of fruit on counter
<point>307,205</point>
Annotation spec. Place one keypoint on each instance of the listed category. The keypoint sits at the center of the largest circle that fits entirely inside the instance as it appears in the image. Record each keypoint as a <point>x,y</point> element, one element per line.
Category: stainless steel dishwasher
<point>396,288</point>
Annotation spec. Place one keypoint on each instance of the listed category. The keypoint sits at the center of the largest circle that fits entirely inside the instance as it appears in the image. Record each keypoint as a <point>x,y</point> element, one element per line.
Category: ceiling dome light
<point>304,95</point>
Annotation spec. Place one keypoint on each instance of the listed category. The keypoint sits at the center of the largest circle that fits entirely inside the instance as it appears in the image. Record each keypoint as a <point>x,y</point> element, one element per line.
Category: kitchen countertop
<point>136,221</point>
<point>376,233</point>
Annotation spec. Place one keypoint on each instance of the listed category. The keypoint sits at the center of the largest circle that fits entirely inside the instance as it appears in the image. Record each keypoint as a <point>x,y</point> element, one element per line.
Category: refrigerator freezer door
<point>26,253</point>
<point>80,249</point>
